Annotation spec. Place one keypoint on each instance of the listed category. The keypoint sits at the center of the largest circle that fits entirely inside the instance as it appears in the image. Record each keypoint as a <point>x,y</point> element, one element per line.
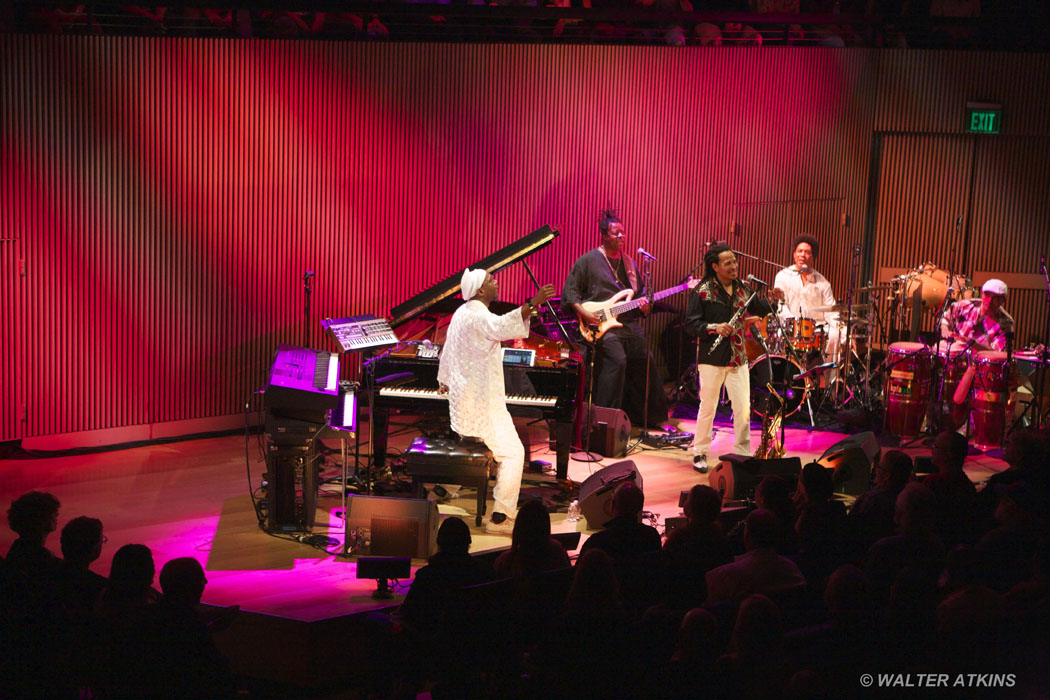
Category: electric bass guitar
<point>621,303</point>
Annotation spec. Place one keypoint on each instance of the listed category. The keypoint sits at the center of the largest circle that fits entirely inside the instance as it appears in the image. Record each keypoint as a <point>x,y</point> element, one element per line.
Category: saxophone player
<point>714,302</point>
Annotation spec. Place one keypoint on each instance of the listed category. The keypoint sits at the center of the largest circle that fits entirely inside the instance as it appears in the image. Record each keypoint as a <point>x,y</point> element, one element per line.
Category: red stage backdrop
<point>161,198</point>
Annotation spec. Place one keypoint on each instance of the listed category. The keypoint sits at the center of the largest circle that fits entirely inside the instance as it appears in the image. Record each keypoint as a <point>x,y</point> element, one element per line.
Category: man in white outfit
<point>471,372</point>
<point>718,297</point>
<point>803,290</point>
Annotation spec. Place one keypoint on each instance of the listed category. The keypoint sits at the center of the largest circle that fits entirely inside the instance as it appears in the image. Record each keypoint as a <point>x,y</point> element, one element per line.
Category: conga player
<point>981,323</point>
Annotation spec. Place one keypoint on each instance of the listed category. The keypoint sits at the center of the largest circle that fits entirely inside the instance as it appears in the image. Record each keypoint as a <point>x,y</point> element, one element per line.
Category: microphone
<point>755,280</point>
<point>308,275</point>
<point>641,251</point>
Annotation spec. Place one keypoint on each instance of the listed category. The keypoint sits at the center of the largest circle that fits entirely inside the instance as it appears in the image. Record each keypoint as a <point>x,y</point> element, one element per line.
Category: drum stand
<point>792,354</point>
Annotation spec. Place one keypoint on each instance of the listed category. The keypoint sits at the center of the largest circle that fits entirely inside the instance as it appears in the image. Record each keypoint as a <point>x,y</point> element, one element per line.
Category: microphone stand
<point>647,274</point>
<point>575,351</point>
<point>307,280</point>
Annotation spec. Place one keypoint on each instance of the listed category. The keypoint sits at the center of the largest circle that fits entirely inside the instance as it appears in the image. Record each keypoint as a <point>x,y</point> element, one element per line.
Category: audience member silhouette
<point>33,516</point>
<point>1025,454</point>
<point>955,492</point>
<point>180,656</point>
<point>532,549</point>
<point>873,510</point>
<point>435,598</point>
<point>593,626</point>
<point>79,587</point>
<point>633,546</point>
<point>1006,554</point>
<point>832,648</point>
<point>625,536</point>
<point>122,612</point>
<point>754,665</point>
<point>823,530</point>
<point>916,544</point>
<point>760,570</point>
<point>695,548</point>
<point>697,647</point>
<point>33,631</point>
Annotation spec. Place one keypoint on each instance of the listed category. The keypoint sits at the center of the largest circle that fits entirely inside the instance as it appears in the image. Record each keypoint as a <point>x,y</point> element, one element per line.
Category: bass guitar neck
<point>620,303</point>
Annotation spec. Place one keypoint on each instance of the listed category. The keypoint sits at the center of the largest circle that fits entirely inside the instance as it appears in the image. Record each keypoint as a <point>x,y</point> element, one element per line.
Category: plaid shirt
<point>965,318</point>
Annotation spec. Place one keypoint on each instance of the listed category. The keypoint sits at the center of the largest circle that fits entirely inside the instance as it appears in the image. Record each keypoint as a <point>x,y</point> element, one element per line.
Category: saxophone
<point>771,446</point>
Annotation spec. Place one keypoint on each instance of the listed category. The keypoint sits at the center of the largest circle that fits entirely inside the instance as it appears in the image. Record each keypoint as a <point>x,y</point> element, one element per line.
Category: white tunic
<point>471,366</point>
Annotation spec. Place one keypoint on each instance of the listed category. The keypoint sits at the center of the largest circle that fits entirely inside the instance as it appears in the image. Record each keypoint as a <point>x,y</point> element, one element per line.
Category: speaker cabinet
<point>391,527</point>
<point>736,476</point>
<point>852,460</point>
<point>596,492</point>
<point>292,490</point>
<point>608,431</point>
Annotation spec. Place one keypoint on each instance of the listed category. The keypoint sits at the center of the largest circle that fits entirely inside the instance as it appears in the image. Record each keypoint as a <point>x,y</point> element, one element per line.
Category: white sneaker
<point>700,464</point>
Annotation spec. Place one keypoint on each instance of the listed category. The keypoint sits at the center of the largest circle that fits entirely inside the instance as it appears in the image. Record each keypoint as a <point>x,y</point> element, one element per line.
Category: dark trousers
<point>619,380</point>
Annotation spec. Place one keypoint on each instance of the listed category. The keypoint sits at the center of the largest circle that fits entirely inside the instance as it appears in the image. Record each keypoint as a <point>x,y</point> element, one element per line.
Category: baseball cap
<point>994,286</point>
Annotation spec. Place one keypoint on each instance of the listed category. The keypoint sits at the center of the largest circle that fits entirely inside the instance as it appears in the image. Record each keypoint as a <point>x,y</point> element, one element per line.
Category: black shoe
<point>498,517</point>
<point>700,464</point>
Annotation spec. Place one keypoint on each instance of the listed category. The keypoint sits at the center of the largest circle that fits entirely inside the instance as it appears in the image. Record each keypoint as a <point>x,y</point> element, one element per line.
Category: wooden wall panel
<point>170,194</point>
<point>1011,224</point>
<point>926,91</point>
<point>923,208</point>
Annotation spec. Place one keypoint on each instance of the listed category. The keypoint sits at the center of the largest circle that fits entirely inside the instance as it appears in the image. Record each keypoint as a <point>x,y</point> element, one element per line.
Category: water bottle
<point>574,512</point>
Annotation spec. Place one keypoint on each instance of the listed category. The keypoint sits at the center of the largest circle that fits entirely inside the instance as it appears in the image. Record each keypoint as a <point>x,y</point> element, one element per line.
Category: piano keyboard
<point>360,332</point>
<point>326,372</point>
<point>432,394</point>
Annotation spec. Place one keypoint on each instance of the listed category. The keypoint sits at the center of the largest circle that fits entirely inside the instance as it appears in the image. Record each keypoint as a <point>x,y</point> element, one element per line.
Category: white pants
<point>737,381</point>
<point>509,452</point>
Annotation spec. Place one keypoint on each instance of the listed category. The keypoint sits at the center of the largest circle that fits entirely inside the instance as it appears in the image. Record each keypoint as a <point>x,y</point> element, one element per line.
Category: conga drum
<point>952,361</point>
<point>989,398</point>
<point>907,388</point>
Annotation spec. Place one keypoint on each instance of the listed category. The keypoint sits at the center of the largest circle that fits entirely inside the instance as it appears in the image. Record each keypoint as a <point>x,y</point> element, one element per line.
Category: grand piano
<point>547,390</point>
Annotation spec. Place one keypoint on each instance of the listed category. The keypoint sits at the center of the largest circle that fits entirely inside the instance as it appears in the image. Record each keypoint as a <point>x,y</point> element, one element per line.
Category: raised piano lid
<point>508,255</point>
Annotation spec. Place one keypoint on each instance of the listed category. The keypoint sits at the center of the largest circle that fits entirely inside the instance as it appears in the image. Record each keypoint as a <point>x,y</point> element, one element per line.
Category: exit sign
<point>983,117</point>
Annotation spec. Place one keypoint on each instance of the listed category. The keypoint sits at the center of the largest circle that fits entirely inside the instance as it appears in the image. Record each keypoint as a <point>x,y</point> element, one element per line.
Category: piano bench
<point>463,462</point>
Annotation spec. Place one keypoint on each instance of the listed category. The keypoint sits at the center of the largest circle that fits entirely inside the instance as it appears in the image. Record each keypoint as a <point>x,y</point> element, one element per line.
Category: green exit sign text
<point>983,117</point>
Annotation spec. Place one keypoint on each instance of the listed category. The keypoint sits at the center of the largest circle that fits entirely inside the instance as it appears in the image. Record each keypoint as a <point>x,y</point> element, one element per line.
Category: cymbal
<point>831,308</point>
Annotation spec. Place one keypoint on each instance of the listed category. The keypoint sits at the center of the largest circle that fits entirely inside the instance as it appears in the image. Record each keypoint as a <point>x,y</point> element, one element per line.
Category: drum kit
<point>789,354</point>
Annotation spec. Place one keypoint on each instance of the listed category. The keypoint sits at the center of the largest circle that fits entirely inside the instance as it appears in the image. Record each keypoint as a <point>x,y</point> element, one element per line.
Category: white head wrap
<point>471,282</point>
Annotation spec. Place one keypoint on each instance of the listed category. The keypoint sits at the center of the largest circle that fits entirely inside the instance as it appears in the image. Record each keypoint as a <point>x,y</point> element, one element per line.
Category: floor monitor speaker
<point>736,476</point>
<point>391,527</point>
<point>852,460</point>
<point>609,429</point>
<point>596,492</point>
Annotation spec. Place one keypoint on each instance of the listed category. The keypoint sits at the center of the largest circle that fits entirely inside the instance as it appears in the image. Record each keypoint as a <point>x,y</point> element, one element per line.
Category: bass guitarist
<point>622,353</point>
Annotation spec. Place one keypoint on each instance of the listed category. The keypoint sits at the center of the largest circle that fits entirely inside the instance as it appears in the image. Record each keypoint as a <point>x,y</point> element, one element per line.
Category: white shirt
<point>471,366</point>
<point>800,299</point>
